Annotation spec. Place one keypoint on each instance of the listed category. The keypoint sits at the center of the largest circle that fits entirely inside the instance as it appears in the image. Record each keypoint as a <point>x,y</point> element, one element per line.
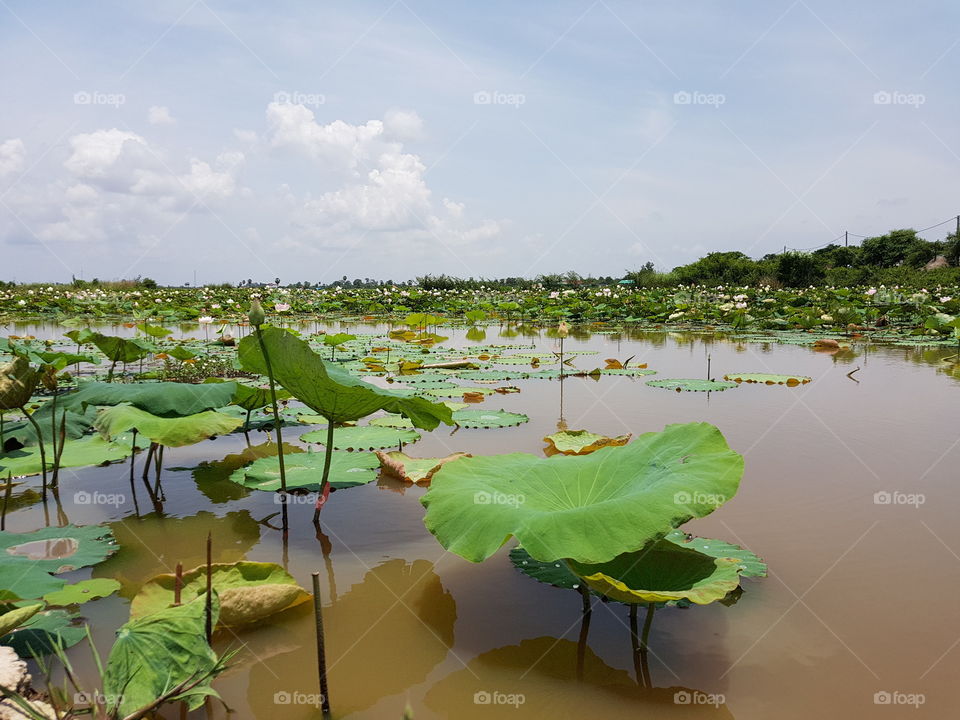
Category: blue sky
<point>391,139</point>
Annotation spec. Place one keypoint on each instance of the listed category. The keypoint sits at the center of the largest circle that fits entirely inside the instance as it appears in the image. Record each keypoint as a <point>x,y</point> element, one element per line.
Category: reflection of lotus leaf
<point>383,636</point>
<point>543,673</point>
<point>581,442</point>
<point>151,545</point>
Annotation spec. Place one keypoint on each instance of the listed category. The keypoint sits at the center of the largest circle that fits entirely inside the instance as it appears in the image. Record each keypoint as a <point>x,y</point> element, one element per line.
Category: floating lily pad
<point>457,391</point>
<point>768,379</point>
<point>57,549</point>
<point>488,418</point>
<point>367,437</point>
<point>305,470</point>
<point>414,470</point>
<point>582,442</point>
<point>392,421</point>
<point>82,592</point>
<point>629,371</point>
<point>87,451</point>
<point>249,591</point>
<point>692,385</point>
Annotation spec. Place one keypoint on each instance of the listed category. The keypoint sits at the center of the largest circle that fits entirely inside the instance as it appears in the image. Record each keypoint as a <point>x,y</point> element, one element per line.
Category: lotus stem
<point>635,647</point>
<point>644,641</point>
<point>178,584</point>
<point>276,418</point>
<point>325,479</point>
<point>321,651</point>
<point>584,630</point>
<point>43,452</point>
<point>6,501</point>
<point>209,604</point>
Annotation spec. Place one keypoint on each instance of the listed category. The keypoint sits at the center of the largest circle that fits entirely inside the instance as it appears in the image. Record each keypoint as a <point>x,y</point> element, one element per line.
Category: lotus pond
<point>751,526</point>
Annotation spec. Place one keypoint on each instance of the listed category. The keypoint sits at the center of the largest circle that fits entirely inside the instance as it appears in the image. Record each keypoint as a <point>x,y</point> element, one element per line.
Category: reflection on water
<point>383,635</point>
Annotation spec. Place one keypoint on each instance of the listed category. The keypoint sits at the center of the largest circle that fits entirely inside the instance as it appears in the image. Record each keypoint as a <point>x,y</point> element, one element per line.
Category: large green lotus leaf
<point>750,564</point>
<point>424,378</point>
<point>662,572</point>
<point>628,371</point>
<point>768,379</point>
<point>118,349</point>
<point>248,591</point>
<point>156,653</point>
<point>57,549</point>
<point>305,470</point>
<point>488,418</point>
<point>692,385</point>
<point>213,478</point>
<point>60,360</point>
<point>44,632</point>
<point>163,399</point>
<point>83,452</point>
<point>582,442</point>
<point>456,392</point>
<point>411,469</point>
<point>74,423</point>
<point>590,508</point>
<point>171,432</point>
<point>10,621</point>
<point>82,592</point>
<point>251,398</point>
<point>328,389</point>
<point>17,383</point>
<point>367,437</point>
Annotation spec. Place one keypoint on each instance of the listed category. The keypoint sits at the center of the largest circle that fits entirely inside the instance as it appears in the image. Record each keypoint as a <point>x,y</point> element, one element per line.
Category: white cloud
<point>94,154</point>
<point>12,154</point>
<point>160,115</point>
<point>349,146</point>
<point>403,125</point>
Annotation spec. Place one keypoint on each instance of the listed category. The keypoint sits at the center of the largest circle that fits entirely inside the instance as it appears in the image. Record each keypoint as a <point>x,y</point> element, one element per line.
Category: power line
<point>846,235</point>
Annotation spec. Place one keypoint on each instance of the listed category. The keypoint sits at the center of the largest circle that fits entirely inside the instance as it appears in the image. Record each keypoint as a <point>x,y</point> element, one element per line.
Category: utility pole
<point>846,238</point>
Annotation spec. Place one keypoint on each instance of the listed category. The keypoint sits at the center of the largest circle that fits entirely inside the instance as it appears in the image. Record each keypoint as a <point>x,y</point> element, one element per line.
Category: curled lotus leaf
<point>581,442</point>
<point>249,591</point>
<point>588,508</point>
<point>171,432</point>
<point>414,470</point>
<point>662,572</point>
<point>18,380</point>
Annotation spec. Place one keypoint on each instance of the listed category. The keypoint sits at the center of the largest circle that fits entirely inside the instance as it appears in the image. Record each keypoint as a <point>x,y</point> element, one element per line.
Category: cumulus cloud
<point>160,115</point>
<point>95,154</point>
<point>12,154</point>
<point>404,125</point>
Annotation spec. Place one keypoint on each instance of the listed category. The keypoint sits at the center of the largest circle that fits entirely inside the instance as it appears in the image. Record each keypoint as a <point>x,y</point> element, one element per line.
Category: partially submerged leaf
<point>488,418</point>
<point>581,442</point>
<point>45,632</point>
<point>366,437</point>
<point>305,470</point>
<point>82,592</point>
<point>768,379</point>
<point>414,470</point>
<point>692,385</point>
<point>249,591</point>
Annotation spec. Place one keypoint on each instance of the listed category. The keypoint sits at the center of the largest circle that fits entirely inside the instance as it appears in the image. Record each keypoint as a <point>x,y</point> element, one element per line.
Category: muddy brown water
<point>858,617</point>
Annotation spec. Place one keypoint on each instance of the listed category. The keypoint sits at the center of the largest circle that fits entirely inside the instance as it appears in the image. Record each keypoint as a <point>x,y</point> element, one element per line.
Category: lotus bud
<point>562,329</point>
<point>49,378</point>
<point>256,316</point>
